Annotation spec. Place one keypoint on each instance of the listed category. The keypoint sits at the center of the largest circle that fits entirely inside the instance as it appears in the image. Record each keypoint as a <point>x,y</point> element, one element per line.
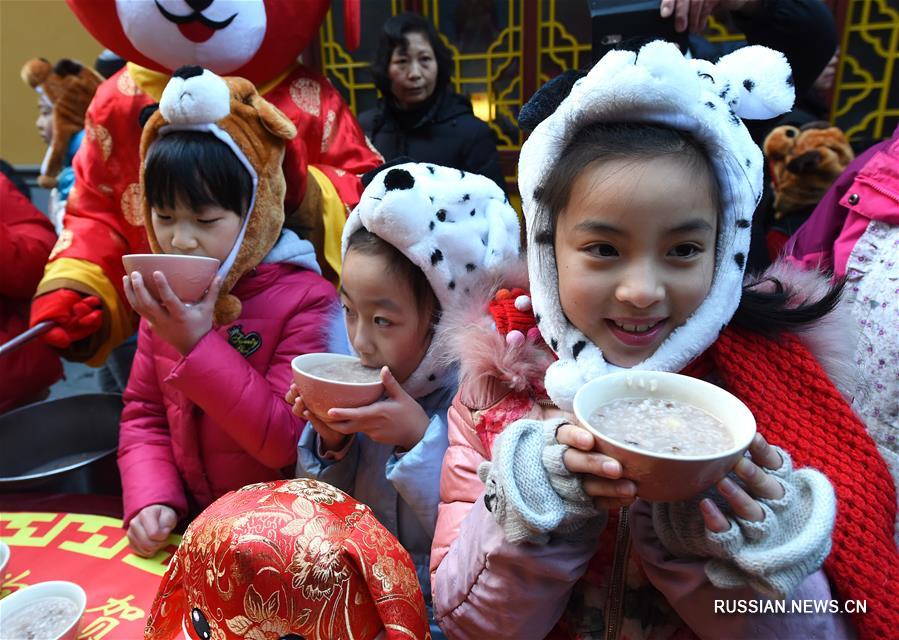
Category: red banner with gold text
<point>93,552</point>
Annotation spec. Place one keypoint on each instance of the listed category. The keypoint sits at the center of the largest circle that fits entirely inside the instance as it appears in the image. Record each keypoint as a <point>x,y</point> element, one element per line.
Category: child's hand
<point>757,481</point>
<point>150,529</point>
<point>330,440</point>
<point>602,479</point>
<point>397,420</point>
<point>179,324</point>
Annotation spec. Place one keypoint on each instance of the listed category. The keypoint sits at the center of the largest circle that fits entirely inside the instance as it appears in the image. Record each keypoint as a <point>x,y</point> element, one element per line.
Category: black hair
<point>394,34</point>
<point>605,141</point>
<point>198,170</point>
<point>771,312</point>
<point>766,310</point>
<point>367,243</point>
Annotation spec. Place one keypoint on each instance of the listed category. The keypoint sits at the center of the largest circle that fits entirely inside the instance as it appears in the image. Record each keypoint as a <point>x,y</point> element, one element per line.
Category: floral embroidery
<point>131,205</point>
<point>98,134</point>
<point>306,94</point>
<point>289,557</point>
<point>317,568</point>
<point>328,130</point>
<point>127,86</point>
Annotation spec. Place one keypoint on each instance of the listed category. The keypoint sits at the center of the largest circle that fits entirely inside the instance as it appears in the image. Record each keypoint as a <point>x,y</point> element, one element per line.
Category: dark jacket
<point>805,32</point>
<point>447,133</point>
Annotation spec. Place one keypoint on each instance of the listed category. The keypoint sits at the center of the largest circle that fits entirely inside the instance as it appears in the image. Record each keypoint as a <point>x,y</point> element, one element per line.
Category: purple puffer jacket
<point>198,426</point>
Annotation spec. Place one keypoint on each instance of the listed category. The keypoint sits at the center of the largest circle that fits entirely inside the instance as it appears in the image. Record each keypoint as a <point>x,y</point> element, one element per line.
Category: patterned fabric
<point>872,274</point>
<point>795,410</point>
<point>292,557</point>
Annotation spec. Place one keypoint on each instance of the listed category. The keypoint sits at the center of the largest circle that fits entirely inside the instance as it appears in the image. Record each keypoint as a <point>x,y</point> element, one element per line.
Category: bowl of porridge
<point>674,435</point>
<point>331,380</point>
<point>188,276</point>
<point>43,611</point>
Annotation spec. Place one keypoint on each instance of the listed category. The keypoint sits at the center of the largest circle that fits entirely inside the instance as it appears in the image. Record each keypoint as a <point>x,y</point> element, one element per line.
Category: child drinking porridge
<point>423,239</point>
<point>203,412</point>
<point>638,193</point>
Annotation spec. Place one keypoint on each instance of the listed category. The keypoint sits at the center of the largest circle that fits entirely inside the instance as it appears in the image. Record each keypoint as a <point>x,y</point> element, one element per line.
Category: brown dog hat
<point>69,87</point>
<point>230,109</point>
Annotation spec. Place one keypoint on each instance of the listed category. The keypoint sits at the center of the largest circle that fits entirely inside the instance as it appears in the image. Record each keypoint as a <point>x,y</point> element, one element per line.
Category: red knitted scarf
<point>797,407</point>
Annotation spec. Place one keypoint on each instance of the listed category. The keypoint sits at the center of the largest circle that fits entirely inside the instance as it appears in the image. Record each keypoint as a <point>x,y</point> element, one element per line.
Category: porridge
<point>662,426</point>
<point>345,371</point>
<point>43,619</point>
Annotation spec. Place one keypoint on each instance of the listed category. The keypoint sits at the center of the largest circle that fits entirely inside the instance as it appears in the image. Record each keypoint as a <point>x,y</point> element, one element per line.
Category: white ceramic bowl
<point>57,588</point>
<point>188,276</point>
<point>321,394</point>
<point>662,477</point>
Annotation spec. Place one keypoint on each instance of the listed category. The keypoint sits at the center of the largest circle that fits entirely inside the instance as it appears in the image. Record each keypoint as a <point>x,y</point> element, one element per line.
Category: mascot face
<point>254,39</point>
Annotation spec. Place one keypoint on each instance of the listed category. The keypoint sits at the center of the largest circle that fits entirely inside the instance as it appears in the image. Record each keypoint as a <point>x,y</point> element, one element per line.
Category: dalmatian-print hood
<point>658,85</point>
<point>457,227</point>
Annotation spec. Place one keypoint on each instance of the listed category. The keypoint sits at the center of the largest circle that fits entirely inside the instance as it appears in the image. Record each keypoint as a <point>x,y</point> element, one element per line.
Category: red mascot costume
<point>257,39</point>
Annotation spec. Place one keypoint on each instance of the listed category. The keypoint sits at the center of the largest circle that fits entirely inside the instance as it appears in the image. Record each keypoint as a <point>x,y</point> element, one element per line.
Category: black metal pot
<point>66,445</point>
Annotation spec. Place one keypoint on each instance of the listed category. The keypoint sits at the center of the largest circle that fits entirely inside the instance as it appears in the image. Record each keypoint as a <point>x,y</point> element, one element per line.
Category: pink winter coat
<point>485,587</point>
<point>198,426</point>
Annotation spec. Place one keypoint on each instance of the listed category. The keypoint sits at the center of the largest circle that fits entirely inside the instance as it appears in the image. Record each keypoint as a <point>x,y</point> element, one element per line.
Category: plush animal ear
<point>547,99</point>
<point>146,112</point>
<point>368,176</point>
<point>761,81</point>
<point>273,118</point>
<point>36,71</point>
<point>66,67</point>
<point>780,141</point>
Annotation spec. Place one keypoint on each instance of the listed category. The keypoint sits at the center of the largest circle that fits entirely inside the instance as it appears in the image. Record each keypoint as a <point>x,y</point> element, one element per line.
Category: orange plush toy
<point>68,87</point>
<point>803,162</point>
<point>288,560</point>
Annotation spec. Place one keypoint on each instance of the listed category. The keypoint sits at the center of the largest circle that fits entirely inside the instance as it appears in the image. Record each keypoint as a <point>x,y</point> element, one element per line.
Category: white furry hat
<point>658,85</point>
<point>457,227</point>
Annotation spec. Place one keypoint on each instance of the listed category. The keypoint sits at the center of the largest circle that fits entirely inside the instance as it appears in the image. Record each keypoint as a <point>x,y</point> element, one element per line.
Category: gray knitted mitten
<point>530,492</point>
<point>772,556</point>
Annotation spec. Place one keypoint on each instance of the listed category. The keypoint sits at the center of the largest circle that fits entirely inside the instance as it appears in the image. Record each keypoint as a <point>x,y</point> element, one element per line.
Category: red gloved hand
<point>76,316</point>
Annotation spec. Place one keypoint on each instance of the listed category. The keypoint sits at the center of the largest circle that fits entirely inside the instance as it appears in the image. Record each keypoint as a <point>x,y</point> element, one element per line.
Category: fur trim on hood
<point>833,338</point>
<point>469,338</point>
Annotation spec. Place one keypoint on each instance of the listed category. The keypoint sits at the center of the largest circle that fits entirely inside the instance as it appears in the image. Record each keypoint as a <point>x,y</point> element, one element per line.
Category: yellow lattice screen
<point>490,65</point>
<point>866,99</point>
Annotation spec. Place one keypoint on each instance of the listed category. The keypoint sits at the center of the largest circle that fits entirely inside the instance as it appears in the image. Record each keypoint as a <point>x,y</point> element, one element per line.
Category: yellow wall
<point>33,29</point>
